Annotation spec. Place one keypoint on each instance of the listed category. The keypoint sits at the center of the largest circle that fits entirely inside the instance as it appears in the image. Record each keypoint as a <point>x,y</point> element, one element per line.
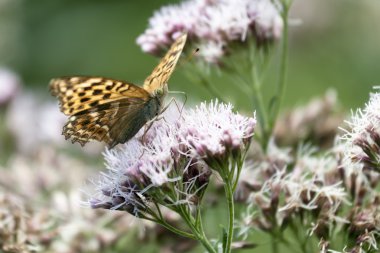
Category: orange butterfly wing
<point>162,72</point>
<point>102,109</point>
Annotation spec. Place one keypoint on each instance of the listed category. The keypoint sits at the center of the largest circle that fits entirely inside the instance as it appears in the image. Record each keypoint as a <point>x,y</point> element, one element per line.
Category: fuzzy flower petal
<point>174,151</point>
<point>212,25</point>
<point>213,130</point>
<point>363,140</point>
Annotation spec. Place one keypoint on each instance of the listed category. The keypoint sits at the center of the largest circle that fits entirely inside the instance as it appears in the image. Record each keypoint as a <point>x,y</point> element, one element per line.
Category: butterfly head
<point>161,91</point>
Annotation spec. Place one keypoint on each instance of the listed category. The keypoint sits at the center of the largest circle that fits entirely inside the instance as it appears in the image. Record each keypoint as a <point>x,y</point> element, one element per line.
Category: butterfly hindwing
<point>162,72</point>
<point>133,119</point>
<point>115,125</point>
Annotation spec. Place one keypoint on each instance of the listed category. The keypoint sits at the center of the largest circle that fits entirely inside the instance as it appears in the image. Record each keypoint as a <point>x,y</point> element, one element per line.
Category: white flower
<point>363,140</point>
<point>171,152</point>
<point>224,20</point>
<point>211,51</point>
<point>267,21</point>
<point>212,24</point>
<point>214,129</point>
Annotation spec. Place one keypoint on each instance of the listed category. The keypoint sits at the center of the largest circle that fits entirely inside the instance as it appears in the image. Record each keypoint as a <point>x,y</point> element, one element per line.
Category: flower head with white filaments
<point>307,185</point>
<point>169,164</point>
<point>211,130</point>
<point>211,25</point>
<point>363,140</point>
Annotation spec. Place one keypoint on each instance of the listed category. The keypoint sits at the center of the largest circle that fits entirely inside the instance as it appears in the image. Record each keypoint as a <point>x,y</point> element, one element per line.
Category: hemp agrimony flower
<point>214,133</point>
<point>303,193</point>
<point>212,25</point>
<point>363,140</point>
<point>236,36</point>
<point>170,165</point>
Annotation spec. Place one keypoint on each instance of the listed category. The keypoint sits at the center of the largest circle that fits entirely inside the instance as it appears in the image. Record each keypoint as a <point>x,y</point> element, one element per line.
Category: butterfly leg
<point>179,107</point>
<point>160,116</point>
<point>175,101</point>
<point>147,127</point>
<point>149,124</point>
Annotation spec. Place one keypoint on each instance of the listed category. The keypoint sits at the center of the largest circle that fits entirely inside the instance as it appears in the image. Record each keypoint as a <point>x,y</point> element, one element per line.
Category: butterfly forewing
<point>98,107</point>
<point>77,94</point>
<point>162,72</point>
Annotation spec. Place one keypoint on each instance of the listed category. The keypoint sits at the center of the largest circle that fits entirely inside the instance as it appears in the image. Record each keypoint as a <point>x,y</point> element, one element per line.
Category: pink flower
<point>173,152</point>
<point>363,140</point>
<point>212,23</point>
<point>214,130</point>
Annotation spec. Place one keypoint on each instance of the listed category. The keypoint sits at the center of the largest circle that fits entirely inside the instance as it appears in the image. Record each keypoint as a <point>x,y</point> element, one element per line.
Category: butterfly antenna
<point>190,57</point>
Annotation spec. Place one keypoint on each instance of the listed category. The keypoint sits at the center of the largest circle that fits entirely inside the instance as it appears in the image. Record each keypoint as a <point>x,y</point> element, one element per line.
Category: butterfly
<point>113,111</point>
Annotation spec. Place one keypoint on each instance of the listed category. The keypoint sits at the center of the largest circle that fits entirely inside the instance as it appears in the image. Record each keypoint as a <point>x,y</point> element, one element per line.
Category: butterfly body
<point>113,111</point>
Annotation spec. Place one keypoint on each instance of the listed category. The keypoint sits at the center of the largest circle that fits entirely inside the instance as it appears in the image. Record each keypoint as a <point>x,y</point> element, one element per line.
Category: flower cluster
<point>317,121</point>
<point>13,226</point>
<point>40,212</point>
<point>215,133</point>
<point>363,140</point>
<point>364,226</point>
<point>334,190</point>
<point>282,195</point>
<point>212,25</point>
<point>171,163</point>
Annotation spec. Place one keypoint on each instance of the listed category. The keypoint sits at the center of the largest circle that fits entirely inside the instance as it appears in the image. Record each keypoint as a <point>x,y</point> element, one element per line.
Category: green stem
<point>202,238</point>
<point>260,107</point>
<point>200,235</point>
<point>198,219</point>
<point>177,231</point>
<point>158,210</point>
<point>158,218</point>
<point>283,69</point>
<point>195,225</point>
<point>204,80</point>
<point>274,244</point>
<point>257,96</point>
<point>299,235</point>
<point>240,162</point>
<point>231,215</point>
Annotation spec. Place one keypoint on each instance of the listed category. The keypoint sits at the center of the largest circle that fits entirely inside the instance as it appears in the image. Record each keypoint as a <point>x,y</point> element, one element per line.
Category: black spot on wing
<point>84,100</point>
<point>97,92</point>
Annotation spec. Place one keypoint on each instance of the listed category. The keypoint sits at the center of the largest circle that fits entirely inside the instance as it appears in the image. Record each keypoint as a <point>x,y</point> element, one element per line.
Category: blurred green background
<point>334,43</point>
